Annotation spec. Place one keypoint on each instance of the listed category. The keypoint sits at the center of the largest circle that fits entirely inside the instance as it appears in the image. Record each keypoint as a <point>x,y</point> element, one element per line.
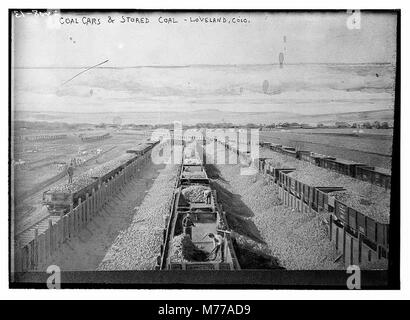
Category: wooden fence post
<point>99,198</point>
<point>344,243</point>
<point>80,213</point>
<point>330,227</point>
<point>92,200</point>
<point>50,227</point>
<point>36,255</point>
<point>61,229</point>
<point>87,209</point>
<point>41,246</point>
<point>72,221</point>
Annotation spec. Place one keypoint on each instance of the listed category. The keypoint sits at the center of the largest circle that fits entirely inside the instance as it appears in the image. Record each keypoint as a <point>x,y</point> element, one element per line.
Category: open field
<point>373,147</point>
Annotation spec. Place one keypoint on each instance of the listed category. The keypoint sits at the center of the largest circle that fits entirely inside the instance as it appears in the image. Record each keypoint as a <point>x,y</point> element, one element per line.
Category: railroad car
<point>315,196</point>
<point>264,144</point>
<point>286,150</point>
<point>375,232</point>
<point>373,175</point>
<point>61,201</point>
<point>143,148</point>
<point>342,166</point>
<point>275,147</point>
<point>304,155</point>
<point>192,250</point>
<point>376,176</point>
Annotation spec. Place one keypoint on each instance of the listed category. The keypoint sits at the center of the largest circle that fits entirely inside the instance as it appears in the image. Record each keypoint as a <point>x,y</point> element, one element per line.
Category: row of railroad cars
<point>206,214</point>
<point>42,137</point>
<point>365,221</point>
<point>377,176</point>
<point>362,217</point>
<point>64,195</point>
<point>95,138</point>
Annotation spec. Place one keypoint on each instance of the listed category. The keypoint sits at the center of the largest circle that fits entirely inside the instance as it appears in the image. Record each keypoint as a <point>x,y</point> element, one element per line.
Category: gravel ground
<point>297,240</point>
<point>138,246</point>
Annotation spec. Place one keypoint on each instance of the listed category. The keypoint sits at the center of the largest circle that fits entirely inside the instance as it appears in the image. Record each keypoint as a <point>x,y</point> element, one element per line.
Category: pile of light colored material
<point>369,199</point>
<point>84,179</point>
<point>105,168</point>
<point>195,193</point>
<point>191,161</point>
<point>298,240</point>
<point>194,175</point>
<point>182,249</point>
<point>79,182</point>
<point>138,247</point>
<point>379,211</point>
<point>377,197</point>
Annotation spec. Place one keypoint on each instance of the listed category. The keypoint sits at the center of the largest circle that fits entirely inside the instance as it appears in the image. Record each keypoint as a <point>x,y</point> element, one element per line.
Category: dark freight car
<point>304,155</point>
<point>319,159</point>
<point>375,176</point>
<point>342,166</point>
<point>372,230</point>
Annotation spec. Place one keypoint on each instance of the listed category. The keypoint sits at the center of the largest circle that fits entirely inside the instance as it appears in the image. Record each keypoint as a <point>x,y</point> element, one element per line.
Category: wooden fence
<point>44,244</point>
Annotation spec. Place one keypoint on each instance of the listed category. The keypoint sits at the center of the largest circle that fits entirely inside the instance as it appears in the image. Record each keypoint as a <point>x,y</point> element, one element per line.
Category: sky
<point>306,37</point>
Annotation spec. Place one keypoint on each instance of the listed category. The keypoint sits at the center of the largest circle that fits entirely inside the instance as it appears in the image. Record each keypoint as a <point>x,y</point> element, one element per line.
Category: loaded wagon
<point>61,201</point>
<point>288,151</point>
<point>373,229</point>
<point>143,148</point>
<point>264,144</point>
<point>342,166</point>
<point>193,176</point>
<point>304,155</point>
<point>188,249</point>
<point>275,147</point>
<point>375,176</point>
<point>63,196</point>
<point>319,159</point>
<point>315,196</point>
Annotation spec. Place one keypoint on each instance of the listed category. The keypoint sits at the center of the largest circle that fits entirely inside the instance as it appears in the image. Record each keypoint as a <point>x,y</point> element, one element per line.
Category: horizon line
<point>203,65</point>
<point>201,110</point>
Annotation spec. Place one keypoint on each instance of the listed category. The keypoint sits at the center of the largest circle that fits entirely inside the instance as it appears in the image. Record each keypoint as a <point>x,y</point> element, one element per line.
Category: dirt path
<point>85,252</point>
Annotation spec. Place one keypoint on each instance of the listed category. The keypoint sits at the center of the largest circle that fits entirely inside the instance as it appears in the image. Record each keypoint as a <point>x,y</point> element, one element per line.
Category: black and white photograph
<point>192,148</point>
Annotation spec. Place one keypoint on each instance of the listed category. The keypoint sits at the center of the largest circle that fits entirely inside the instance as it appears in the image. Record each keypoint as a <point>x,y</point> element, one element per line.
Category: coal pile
<point>195,193</point>
<point>184,250</point>
<point>138,247</point>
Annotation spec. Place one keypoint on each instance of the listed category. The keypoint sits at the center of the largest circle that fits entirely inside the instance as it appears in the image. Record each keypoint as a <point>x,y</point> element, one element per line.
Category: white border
<point>6,293</point>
